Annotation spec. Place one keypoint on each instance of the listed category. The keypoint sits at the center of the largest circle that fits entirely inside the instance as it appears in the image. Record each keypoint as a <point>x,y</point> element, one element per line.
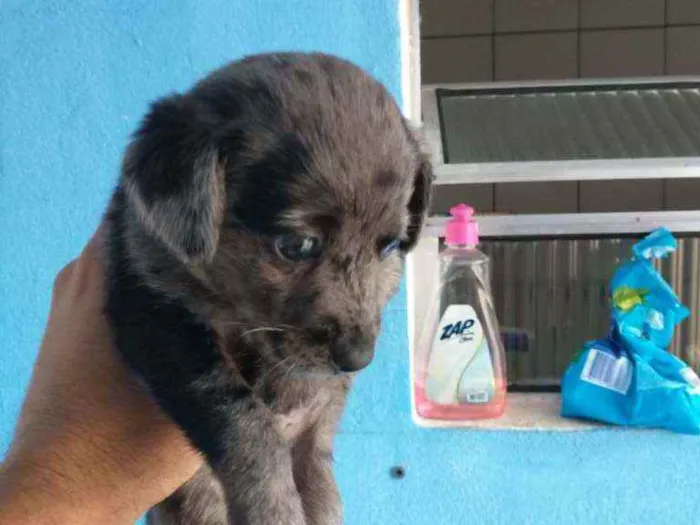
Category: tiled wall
<point>511,40</point>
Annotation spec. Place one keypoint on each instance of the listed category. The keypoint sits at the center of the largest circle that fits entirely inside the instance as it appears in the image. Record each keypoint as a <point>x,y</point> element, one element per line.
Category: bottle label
<point>460,370</point>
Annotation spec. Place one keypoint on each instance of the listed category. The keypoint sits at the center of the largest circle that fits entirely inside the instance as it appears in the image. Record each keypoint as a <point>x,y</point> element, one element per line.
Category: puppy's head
<point>292,187</point>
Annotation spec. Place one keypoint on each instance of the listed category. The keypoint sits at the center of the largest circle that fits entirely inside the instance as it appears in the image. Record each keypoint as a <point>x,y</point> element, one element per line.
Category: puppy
<point>258,229</point>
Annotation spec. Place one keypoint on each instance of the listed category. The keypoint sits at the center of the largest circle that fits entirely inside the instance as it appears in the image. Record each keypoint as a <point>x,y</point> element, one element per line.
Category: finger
<point>93,245</point>
<point>63,278</point>
<point>89,263</point>
<point>92,249</point>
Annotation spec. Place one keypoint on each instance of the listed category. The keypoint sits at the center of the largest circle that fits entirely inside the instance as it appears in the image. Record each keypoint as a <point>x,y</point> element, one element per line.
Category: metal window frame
<point>550,171</point>
<point>569,225</point>
<point>574,224</point>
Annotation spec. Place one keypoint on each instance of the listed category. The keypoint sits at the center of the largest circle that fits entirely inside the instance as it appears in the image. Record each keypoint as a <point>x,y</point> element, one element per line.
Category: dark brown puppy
<point>258,230</point>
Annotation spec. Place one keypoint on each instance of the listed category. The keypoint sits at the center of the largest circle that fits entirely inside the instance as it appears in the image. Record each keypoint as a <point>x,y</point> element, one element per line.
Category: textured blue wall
<point>74,79</point>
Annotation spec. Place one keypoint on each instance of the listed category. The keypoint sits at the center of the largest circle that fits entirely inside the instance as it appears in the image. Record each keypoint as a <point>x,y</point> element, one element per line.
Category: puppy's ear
<point>419,203</point>
<point>173,178</point>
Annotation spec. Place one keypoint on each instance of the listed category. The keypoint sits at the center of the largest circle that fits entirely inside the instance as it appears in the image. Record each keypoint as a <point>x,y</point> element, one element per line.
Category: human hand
<point>90,446</point>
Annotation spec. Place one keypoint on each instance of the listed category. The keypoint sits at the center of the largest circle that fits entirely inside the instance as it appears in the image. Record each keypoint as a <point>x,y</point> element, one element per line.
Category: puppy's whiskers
<point>262,329</point>
<point>289,371</point>
<point>272,369</point>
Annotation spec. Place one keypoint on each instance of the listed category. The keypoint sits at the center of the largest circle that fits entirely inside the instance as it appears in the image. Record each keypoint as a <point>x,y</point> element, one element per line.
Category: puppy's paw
<point>287,512</point>
<point>333,517</point>
<point>323,507</point>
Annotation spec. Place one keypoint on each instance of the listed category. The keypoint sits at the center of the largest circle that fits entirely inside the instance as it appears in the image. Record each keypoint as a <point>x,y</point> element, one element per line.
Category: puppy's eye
<point>297,247</point>
<point>387,246</point>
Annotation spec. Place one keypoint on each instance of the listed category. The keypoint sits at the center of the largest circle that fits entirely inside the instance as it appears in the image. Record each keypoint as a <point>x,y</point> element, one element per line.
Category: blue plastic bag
<point>629,378</point>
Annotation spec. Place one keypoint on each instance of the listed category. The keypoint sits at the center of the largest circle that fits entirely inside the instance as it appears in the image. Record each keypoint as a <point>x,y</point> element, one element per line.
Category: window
<point>567,126</point>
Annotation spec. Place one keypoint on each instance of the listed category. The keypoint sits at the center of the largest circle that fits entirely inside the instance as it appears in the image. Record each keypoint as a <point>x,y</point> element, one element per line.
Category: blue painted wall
<point>74,79</point>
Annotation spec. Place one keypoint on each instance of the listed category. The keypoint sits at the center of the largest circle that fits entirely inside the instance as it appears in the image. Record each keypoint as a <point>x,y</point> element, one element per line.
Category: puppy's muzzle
<point>352,350</point>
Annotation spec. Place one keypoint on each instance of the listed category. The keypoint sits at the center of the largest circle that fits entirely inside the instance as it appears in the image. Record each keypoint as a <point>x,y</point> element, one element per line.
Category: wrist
<point>36,494</point>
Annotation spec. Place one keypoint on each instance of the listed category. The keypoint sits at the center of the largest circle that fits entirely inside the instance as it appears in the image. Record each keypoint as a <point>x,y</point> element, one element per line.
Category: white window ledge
<point>526,412</point>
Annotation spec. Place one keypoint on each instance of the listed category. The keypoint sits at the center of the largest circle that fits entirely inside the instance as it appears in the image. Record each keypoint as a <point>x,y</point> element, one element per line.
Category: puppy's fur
<point>249,352</point>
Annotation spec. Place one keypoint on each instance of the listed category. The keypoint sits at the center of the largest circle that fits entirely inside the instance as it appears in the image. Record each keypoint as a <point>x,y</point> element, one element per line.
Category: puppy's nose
<point>352,350</point>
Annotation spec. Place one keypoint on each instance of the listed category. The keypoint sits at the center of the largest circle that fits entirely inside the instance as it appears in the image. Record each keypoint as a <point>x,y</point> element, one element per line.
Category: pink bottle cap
<point>462,229</point>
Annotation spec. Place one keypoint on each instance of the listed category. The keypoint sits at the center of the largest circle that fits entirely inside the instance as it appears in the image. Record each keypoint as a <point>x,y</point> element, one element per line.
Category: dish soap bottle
<point>460,366</point>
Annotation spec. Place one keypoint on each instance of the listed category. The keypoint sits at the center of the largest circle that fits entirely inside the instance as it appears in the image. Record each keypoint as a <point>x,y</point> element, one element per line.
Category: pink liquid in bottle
<point>460,362</point>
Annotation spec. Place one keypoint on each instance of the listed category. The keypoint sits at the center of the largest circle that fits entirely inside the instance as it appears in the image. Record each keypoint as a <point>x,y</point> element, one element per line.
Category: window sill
<point>527,412</point>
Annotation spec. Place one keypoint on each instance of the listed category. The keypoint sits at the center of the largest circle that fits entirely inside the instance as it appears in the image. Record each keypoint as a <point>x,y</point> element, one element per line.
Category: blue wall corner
<point>74,79</point>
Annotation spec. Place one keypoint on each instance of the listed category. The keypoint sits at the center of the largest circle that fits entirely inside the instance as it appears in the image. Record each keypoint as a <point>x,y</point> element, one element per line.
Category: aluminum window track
<point>612,129</point>
<point>575,224</point>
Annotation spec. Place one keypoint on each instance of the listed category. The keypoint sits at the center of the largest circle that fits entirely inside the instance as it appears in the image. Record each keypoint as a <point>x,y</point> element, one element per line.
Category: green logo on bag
<point>626,298</point>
